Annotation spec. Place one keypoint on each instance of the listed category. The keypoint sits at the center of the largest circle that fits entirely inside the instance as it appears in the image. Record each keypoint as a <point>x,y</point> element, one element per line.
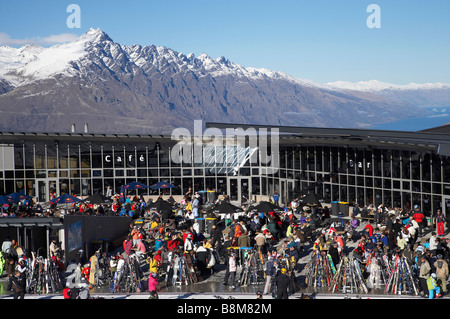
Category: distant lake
<point>439,116</point>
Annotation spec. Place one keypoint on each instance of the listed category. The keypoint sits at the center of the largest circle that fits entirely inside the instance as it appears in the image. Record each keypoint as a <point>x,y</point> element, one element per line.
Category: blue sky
<point>319,40</point>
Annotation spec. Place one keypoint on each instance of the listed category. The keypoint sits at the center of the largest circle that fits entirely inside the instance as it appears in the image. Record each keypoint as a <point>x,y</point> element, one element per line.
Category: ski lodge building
<point>364,166</point>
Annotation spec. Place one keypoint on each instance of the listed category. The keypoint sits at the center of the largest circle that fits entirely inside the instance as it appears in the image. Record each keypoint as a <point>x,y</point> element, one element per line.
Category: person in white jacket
<point>433,243</point>
<point>232,264</point>
<point>188,243</point>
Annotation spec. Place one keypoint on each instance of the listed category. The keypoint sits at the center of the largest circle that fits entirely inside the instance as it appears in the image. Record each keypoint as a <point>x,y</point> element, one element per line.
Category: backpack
<point>212,260</point>
<point>237,231</point>
<point>67,293</point>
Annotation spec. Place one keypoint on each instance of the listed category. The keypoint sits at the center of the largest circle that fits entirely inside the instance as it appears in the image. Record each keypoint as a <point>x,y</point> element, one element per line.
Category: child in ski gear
<point>433,287</point>
<point>152,285</point>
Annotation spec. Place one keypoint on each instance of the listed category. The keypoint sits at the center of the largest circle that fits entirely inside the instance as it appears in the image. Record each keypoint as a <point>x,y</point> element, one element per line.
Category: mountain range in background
<point>136,89</point>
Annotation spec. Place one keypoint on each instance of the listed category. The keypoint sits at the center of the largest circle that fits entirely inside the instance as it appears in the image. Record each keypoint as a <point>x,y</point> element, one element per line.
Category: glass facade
<point>367,175</point>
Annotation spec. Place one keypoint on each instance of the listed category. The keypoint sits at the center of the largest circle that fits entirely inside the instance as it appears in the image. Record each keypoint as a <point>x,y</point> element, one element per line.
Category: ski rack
<point>42,276</point>
<point>395,275</point>
<point>252,266</point>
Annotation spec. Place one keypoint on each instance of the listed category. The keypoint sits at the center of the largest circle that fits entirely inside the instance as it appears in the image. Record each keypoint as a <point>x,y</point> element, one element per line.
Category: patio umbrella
<point>65,199</point>
<point>265,207</point>
<point>96,199</point>
<point>12,198</point>
<point>17,197</point>
<point>3,200</point>
<point>227,208</point>
<point>161,205</point>
<point>135,185</point>
<point>162,185</point>
<point>310,200</point>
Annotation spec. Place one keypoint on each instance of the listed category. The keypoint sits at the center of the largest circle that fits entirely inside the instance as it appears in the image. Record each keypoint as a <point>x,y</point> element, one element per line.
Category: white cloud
<point>5,39</point>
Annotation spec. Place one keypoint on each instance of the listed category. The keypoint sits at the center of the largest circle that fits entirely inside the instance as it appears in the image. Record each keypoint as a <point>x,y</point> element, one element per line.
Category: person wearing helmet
<point>282,281</point>
<point>188,243</point>
<point>433,287</point>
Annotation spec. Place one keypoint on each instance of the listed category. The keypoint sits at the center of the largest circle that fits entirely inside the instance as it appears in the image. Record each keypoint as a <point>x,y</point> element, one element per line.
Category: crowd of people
<point>280,237</point>
<point>283,234</point>
<point>410,234</point>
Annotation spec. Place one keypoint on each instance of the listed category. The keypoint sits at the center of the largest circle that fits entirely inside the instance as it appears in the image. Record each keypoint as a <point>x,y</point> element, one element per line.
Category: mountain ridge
<point>154,89</point>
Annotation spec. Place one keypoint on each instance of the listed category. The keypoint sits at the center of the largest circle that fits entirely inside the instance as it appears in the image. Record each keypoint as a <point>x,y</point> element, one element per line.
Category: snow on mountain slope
<point>12,58</point>
<point>56,59</point>
<point>376,86</point>
<point>33,62</point>
<point>154,89</point>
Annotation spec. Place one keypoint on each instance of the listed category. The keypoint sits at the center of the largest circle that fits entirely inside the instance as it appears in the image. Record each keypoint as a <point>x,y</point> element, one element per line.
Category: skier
<point>419,217</point>
<point>433,287</point>
<point>17,284</point>
<point>269,271</point>
<point>424,274</point>
<point>232,268</point>
<point>282,282</point>
<point>334,253</point>
<point>442,272</point>
<point>22,268</point>
<point>54,248</point>
<point>152,286</point>
<point>440,220</point>
<point>203,257</point>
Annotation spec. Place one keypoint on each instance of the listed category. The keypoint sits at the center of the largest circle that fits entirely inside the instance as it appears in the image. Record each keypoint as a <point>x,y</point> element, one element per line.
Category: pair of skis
<point>401,279</point>
<point>42,276</point>
<point>349,277</point>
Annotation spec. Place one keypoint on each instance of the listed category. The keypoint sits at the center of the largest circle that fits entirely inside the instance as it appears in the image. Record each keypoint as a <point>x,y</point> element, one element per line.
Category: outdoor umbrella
<point>161,205</point>
<point>226,208</point>
<point>96,199</point>
<point>3,200</point>
<point>135,185</point>
<point>12,198</point>
<point>265,207</point>
<point>65,199</point>
<point>310,200</point>
<point>162,185</point>
<point>17,197</point>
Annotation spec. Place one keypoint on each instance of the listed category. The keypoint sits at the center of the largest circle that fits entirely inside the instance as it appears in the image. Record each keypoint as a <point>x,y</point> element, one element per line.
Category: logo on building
<point>230,150</point>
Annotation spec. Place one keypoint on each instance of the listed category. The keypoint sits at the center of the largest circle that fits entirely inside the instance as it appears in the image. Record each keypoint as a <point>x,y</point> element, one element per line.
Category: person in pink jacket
<point>152,284</point>
<point>232,264</point>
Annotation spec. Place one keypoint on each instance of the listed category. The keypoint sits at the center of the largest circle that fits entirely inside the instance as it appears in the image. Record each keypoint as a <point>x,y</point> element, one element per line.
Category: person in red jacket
<point>173,243</point>
<point>419,218</point>
<point>127,245</point>
<point>368,229</point>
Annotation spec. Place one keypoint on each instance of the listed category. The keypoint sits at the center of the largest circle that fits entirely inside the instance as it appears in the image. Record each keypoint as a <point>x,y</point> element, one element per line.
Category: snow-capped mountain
<point>377,86</point>
<point>152,89</point>
<point>419,94</point>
